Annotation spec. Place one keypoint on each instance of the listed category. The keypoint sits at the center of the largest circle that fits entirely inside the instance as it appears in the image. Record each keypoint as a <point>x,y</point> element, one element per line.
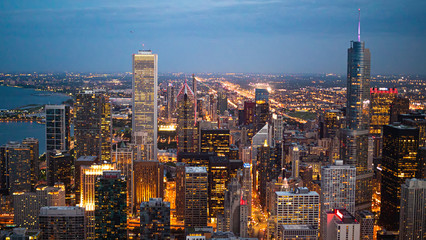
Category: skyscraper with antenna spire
<point>355,138</point>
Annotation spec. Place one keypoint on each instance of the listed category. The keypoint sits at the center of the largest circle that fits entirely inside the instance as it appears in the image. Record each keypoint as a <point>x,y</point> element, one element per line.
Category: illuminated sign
<point>246,165</point>
<point>339,214</point>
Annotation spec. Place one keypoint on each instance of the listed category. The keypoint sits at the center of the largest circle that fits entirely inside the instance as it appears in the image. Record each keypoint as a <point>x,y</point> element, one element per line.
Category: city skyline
<point>291,36</point>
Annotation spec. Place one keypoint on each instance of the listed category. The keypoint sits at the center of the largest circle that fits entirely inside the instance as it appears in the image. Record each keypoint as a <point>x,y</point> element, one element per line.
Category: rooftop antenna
<point>359,24</point>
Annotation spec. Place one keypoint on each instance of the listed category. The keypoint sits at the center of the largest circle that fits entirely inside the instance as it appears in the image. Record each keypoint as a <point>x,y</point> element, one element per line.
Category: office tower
<point>421,159</point>
<point>155,219</point>
<point>123,159</point>
<point>249,109</point>
<point>298,207</point>
<point>268,167</point>
<point>111,206</point>
<point>400,105</point>
<point>332,120</point>
<point>27,205</point>
<point>89,175</point>
<point>62,223</point>
<point>148,181</point>
<point>235,217</point>
<point>258,140</point>
<point>337,189</point>
<point>180,190</point>
<point>81,161</point>
<point>222,103</point>
<point>400,145</point>
<point>262,108</point>
<point>295,159</point>
<point>215,141</point>
<point>92,125</point>
<point>58,127</point>
<point>234,152</point>
<point>60,166</point>
<point>381,100</point>
<point>278,124</point>
<point>170,101</point>
<point>33,144</point>
<point>366,222</point>
<point>412,220</point>
<point>194,87</point>
<point>341,224</point>
<point>419,123</point>
<point>196,190</point>
<point>144,104</point>
<point>16,167</point>
<point>305,232</point>
<point>185,119</point>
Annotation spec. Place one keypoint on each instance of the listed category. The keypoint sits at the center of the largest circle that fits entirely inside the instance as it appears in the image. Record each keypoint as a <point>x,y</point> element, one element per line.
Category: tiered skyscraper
<point>355,137</point>
<point>144,112</point>
<point>186,119</point>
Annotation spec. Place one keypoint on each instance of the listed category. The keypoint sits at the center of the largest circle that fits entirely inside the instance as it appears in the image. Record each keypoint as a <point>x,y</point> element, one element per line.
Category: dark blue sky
<point>270,36</point>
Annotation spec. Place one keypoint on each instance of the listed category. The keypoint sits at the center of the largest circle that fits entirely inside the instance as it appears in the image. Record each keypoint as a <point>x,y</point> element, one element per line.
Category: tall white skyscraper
<point>337,189</point>
<point>144,112</point>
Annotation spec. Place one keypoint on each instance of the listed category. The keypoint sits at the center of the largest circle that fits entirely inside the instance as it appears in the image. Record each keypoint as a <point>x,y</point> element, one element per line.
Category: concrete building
<point>366,221</point>
<point>155,219</point>
<point>342,225</point>
<point>299,232</point>
<point>62,223</point>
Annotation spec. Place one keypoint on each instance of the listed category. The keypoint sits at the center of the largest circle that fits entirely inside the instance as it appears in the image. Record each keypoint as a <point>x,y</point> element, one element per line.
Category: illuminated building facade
<point>16,167</point>
<point>155,219</point>
<point>148,181</point>
<point>215,141</point>
<point>342,225</point>
<point>186,119</point>
<point>58,127</point>
<point>337,189</point>
<point>298,207</point>
<point>110,206</point>
<point>144,104</point>
<point>62,223</point>
<point>332,120</point>
<point>400,145</point>
<point>123,159</point>
<point>381,100</point>
<point>93,125</point>
<point>89,175</point>
<point>60,166</point>
<point>33,144</point>
<point>81,161</point>
<point>412,221</point>
<point>261,115</point>
<point>196,195</point>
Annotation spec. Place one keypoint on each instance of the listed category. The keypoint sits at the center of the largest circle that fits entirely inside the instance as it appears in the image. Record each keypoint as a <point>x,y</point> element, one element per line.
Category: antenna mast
<point>359,24</point>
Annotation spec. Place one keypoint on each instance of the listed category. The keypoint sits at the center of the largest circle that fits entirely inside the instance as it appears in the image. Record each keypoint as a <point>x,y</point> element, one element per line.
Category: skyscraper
<point>196,196</point>
<point>58,125</point>
<point>92,125</point>
<point>111,206</point>
<point>222,103</point>
<point>262,108</point>
<point>400,145</point>
<point>341,224</point>
<point>148,181</point>
<point>60,170</point>
<point>62,223</point>
<point>144,112</point>
<point>412,220</point>
<point>215,141</point>
<point>170,101</point>
<point>356,137</point>
<point>186,119</point>
<point>400,105</point>
<point>155,219</point>
<point>337,189</point>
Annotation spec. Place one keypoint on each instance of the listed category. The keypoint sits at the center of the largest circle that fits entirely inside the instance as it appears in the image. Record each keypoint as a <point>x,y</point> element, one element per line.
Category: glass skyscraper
<point>186,119</point>
<point>144,112</point>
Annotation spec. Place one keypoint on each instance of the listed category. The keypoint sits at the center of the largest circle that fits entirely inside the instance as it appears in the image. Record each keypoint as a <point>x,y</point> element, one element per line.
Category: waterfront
<point>12,97</point>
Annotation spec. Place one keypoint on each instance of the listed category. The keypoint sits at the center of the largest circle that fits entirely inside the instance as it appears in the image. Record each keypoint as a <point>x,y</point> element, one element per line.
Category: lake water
<point>12,97</point>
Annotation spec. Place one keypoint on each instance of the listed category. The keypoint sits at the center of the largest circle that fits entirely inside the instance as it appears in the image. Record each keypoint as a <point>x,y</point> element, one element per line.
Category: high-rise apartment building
<point>400,146</point>
<point>185,119</point>
<point>33,144</point>
<point>298,207</point>
<point>145,111</point>
<point>58,127</point>
<point>412,219</point>
<point>62,223</point>
<point>341,224</point>
<point>111,206</point>
<point>155,219</point>
<point>93,125</point>
<point>337,189</point>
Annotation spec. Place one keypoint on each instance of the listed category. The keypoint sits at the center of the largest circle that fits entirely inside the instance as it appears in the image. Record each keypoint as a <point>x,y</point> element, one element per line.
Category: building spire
<point>359,24</point>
